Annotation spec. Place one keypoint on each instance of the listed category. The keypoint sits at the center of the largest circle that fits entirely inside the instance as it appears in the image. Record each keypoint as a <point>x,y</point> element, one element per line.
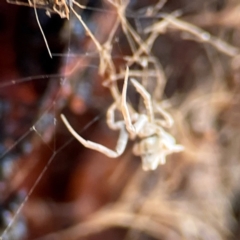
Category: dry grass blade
<point>165,85</point>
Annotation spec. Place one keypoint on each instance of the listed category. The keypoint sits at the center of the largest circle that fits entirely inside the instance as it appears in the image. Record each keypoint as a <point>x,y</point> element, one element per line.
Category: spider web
<point>46,129</point>
<point>42,128</point>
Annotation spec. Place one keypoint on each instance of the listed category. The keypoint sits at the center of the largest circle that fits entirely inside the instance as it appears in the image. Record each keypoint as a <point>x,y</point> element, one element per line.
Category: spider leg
<point>111,118</point>
<point>140,123</point>
<point>125,111</point>
<point>146,97</point>
<point>168,121</point>
<point>168,142</point>
<point>121,143</point>
<point>115,125</point>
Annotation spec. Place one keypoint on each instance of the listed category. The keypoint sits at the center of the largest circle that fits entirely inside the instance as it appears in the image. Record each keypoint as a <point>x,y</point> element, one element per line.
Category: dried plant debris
<point>173,89</point>
<point>60,7</point>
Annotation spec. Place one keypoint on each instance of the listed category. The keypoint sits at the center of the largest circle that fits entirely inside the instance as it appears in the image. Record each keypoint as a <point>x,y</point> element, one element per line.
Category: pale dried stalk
<point>200,34</point>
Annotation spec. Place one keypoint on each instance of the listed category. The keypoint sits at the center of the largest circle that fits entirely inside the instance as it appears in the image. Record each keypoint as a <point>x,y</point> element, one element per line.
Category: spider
<point>154,142</point>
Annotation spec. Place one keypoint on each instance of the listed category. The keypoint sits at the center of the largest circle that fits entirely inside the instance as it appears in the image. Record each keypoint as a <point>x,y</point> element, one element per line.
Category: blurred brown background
<point>85,195</point>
